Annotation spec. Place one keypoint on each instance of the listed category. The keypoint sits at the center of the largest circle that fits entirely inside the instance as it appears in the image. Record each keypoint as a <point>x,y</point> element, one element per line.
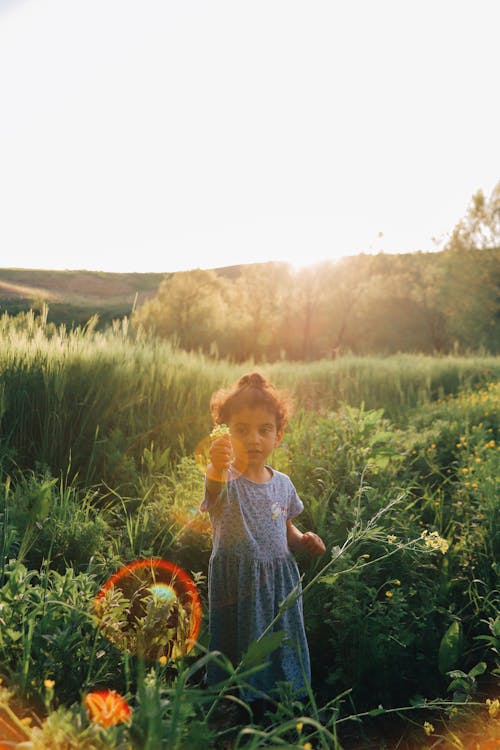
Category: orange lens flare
<point>150,608</point>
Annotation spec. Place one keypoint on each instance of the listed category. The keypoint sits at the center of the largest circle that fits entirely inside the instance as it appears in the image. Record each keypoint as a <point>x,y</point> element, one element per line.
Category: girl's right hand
<point>220,452</point>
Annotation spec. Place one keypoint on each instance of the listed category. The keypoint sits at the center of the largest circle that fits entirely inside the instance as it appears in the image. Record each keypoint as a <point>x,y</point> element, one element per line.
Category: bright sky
<point>159,135</point>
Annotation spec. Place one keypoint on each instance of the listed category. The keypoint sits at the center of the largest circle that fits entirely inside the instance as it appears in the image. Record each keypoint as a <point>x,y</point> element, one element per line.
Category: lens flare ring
<point>150,608</point>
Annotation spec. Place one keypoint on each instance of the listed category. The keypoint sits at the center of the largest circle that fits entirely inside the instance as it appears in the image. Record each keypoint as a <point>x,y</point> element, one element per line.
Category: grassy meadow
<point>397,460</point>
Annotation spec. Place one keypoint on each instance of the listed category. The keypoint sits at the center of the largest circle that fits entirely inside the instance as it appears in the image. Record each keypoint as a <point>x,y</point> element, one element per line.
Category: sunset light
<point>169,136</point>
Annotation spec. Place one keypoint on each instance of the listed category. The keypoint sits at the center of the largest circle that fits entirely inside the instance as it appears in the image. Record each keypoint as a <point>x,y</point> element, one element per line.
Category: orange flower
<point>107,707</point>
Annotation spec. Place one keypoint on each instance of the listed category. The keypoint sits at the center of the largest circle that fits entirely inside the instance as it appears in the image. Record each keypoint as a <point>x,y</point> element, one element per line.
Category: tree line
<point>431,302</point>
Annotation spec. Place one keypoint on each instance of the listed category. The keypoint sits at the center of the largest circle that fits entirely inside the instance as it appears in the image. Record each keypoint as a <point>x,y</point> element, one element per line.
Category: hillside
<point>74,296</point>
<point>77,287</point>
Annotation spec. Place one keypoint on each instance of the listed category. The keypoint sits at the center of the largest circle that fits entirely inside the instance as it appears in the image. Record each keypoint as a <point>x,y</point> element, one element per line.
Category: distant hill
<point>74,296</point>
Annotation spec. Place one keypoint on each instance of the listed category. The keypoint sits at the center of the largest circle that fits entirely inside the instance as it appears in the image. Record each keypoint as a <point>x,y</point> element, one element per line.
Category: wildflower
<point>26,720</point>
<point>219,431</point>
<point>307,746</point>
<point>493,707</point>
<point>478,460</point>
<point>434,541</point>
<point>397,582</point>
<point>49,684</point>
<point>391,538</point>
<point>428,728</point>
<point>365,557</point>
<point>433,446</point>
<point>162,660</point>
<point>465,470</point>
<point>389,594</point>
<point>107,707</point>
<point>299,726</point>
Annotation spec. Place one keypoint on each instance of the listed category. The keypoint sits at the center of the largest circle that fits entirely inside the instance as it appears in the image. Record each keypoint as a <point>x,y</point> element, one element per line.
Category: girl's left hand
<point>312,544</point>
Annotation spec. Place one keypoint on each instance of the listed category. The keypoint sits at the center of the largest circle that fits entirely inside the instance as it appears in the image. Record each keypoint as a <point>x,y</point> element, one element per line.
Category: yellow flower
<point>478,460</point>
<point>493,707</point>
<point>428,728</point>
<point>397,582</point>
<point>388,594</point>
<point>219,431</point>
<point>365,557</point>
<point>307,746</point>
<point>299,726</point>
<point>163,660</point>
<point>49,684</point>
<point>107,707</point>
<point>391,538</point>
<point>434,541</point>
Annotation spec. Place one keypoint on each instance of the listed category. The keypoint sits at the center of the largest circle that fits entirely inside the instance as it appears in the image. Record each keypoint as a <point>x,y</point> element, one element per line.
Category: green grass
<point>98,431</point>
<point>98,399</point>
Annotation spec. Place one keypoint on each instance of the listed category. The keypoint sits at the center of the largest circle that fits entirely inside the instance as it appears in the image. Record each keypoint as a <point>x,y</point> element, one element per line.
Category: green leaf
<point>14,635</point>
<point>376,711</point>
<point>329,579</point>
<point>479,668</point>
<point>458,683</point>
<point>450,647</point>
<point>292,597</point>
<point>259,650</point>
<point>455,673</point>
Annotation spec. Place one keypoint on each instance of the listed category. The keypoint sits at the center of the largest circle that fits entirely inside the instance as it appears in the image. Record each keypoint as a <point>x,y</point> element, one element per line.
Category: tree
<point>472,289</point>
<point>189,308</point>
<point>480,227</point>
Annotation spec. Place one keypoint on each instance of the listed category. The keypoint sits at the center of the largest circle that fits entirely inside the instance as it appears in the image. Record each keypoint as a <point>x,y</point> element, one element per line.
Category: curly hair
<point>252,391</point>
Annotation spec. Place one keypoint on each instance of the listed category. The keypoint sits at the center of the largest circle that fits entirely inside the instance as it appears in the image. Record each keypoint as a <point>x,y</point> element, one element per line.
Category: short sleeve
<point>295,504</point>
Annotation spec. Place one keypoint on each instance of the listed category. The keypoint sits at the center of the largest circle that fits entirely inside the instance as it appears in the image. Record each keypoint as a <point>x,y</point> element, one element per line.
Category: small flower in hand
<point>312,544</point>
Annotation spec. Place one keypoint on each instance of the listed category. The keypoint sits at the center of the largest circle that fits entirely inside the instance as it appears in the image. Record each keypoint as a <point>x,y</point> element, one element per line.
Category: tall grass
<point>96,400</point>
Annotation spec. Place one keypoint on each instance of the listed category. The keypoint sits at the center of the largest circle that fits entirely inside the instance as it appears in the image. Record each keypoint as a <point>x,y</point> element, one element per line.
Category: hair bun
<point>253,380</point>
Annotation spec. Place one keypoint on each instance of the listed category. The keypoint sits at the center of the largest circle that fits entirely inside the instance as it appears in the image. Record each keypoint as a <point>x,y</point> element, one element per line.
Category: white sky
<point>159,135</point>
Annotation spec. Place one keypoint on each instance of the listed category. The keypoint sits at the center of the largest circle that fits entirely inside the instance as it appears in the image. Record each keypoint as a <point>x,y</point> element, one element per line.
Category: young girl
<point>252,507</point>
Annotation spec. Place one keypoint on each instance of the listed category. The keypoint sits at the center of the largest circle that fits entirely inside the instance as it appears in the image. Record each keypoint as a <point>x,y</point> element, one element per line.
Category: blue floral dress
<point>251,572</point>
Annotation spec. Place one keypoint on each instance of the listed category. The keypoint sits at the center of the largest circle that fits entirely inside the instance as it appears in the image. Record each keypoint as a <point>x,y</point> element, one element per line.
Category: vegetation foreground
<point>397,460</point>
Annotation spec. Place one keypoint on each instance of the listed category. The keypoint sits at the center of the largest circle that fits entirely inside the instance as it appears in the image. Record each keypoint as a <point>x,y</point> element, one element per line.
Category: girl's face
<point>255,436</point>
